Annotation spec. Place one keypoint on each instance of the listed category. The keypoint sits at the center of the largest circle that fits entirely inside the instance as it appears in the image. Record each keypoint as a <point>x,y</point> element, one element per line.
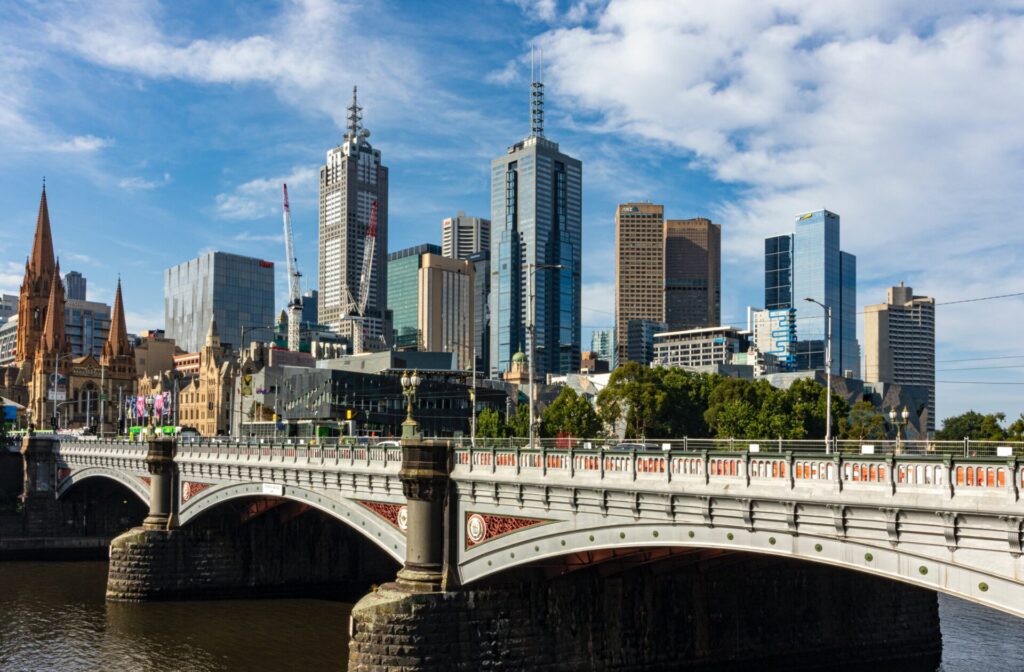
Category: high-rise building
<point>403,293</point>
<point>641,340</point>
<point>809,264</point>
<point>445,311</point>
<point>778,272</point>
<point>310,314</point>
<point>8,339</point>
<point>481,308</point>
<point>87,324</point>
<point>821,271</point>
<point>774,333</point>
<point>238,291</point>
<point>8,307</point>
<point>537,225</point>
<point>693,273</point>
<point>899,342</point>
<point>602,344</point>
<point>352,180</point>
<point>639,272</point>
<point>74,286</point>
<point>463,236</point>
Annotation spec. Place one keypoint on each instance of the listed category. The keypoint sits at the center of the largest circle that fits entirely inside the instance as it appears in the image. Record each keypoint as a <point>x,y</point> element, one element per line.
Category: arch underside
<point>565,548</point>
<point>361,519</point>
<point>132,483</point>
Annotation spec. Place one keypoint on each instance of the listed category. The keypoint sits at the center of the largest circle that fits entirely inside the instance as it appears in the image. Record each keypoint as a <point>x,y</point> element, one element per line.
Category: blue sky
<point>164,129</point>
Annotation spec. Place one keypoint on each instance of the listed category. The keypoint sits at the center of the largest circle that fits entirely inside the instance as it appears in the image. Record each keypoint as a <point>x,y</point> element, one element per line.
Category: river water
<point>53,617</point>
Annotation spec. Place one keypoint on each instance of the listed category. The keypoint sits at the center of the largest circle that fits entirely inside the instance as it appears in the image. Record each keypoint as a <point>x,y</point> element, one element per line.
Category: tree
<point>519,423</point>
<point>688,393</point>
<point>973,425</point>
<point>571,414</point>
<point>489,424</point>
<point>864,422</point>
<point>635,394</point>
<point>1016,430</point>
<point>806,400</point>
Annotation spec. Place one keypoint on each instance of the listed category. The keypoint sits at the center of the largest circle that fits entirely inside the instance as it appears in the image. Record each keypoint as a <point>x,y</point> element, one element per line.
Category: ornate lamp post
<point>898,421</point>
<point>828,373</point>
<point>410,428</point>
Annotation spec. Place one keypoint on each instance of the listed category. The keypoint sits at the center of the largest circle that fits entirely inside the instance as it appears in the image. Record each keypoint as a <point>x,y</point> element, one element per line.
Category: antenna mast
<point>537,96</point>
<point>355,117</point>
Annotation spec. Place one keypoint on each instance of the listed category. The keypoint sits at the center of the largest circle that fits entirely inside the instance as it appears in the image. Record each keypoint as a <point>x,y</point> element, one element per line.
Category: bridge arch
<point>370,525</point>
<point>561,540</point>
<point>134,484</point>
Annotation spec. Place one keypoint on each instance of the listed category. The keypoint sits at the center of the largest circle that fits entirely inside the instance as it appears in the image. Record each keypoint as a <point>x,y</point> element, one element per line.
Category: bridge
<point>943,517</point>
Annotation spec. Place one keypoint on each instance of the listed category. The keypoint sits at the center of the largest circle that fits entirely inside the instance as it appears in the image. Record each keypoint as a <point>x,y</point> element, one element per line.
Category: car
<point>635,446</point>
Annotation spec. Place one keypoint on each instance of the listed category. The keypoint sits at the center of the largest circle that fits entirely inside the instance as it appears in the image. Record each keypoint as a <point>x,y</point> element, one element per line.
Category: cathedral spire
<point>41,261</point>
<point>54,337</point>
<point>117,339</point>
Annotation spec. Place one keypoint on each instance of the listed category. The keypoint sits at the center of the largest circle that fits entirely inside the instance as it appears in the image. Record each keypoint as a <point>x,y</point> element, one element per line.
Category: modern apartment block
<point>693,273</point>
<point>639,272</point>
<point>602,344</point>
<point>537,226</point>
<point>352,180</point>
<point>446,310</point>
<point>692,348</point>
<point>810,264</point>
<point>462,236</point>
<point>899,342</point>
<point>640,336</point>
<point>74,286</point>
<point>237,290</point>
<point>773,332</point>
<point>87,325</point>
<point>403,294</point>
<point>8,307</point>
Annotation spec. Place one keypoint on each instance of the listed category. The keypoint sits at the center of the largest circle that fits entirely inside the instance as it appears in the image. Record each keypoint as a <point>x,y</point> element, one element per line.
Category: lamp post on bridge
<point>828,373</point>
<point>410,428</point>
<point>899,420</point>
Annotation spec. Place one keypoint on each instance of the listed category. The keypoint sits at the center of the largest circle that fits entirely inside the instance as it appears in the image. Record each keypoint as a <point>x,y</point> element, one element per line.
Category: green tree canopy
<point>636,394</point>
<point>864,422</point>
<point>973,425</point>
<point>489,424</point>
<point>571,414</point>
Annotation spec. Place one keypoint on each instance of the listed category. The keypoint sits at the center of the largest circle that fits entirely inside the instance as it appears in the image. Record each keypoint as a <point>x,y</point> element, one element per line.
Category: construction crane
<point>294,278</point>
<point>367,272</point>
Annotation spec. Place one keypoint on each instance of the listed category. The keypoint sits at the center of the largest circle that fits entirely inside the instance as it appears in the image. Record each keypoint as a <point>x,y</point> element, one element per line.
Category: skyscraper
<point>237,290</point>
<point>481,262</point>
<point>778,272</point>
<point>899,342</point>
<point>536,217</point>
<point>639,272</point>
<point>602,343</point>
<point>821,271</point>
<point>445,310</point>
<point>351,181</point>
<point>463,236</point>
<point>403,293</point>
<point>74,286</point>
<point>693,273</point>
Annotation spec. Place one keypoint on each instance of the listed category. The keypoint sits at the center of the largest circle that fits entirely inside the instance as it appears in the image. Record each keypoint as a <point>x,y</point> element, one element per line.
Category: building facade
<point>640,336</point>
<point>773,332</point>
<point>237,291</point>
<point>205,396</point>
<point>693,348</point>
<point>693,273</point>
<point>537,228</point>
<point>87,324</point>
<point>778,272</point>
<point>154,353</point>
<point>8,340</point>
<point>8,307</point>
<point>481,262</point>
<point>462,236</point>
<point>403,272</point>
<point>899,343</point>
<point>353,182</point>
<point>446,311</point>
<point>602,343</point>
<point>74,286</point>
<point>639,272</point>
<point>310,314</point>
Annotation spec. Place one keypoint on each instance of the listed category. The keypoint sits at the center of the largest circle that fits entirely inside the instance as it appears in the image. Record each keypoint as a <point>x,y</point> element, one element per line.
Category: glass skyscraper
<point>403,293</point>
<point>237,290</point>
<point>536,219</point>
<point>817,269</point>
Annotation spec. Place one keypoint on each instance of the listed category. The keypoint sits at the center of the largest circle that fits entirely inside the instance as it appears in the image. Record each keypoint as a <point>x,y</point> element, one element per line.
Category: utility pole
<point>103,395</point>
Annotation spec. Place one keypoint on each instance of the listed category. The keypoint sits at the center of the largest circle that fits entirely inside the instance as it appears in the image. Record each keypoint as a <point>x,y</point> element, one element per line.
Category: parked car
<point>640,447</point>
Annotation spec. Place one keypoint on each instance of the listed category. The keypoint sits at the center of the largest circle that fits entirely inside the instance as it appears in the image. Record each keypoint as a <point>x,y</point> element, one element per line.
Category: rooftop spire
<point>54,339</point>
<point>41,260</point>
<point>117,338</point>
<point>536,94</point>
<point>355,117</point>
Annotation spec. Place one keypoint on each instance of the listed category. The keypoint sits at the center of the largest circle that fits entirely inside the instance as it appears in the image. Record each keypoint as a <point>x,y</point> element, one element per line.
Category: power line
<point>982,298</point>
<point>984,368</point>
<point>977,382</point>
<point>978,359</point>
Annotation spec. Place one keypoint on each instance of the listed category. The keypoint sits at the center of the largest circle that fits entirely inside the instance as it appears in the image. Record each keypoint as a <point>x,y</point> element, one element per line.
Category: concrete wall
<point>730,612</point>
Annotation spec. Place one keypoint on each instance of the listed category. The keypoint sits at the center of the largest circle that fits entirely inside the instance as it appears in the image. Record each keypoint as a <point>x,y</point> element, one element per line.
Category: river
<point>53,617</point>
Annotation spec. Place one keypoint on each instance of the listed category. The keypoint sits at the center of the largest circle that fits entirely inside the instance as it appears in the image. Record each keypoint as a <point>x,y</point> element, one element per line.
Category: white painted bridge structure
<point>944,521</point>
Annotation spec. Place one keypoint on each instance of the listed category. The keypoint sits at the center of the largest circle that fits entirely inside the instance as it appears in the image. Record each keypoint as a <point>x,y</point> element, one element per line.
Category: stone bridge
<point>460,518</point>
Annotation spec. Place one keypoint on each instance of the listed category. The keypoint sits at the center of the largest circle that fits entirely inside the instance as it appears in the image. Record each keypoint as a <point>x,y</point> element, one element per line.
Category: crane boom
<point>367,273</point>
<point>294,282</point>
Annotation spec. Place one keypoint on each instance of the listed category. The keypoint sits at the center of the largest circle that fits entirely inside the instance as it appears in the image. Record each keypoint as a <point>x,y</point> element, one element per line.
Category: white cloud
<point>11,275</point>
<point>136,183</point>
<point>81,144</point>
<point>261,197</point>
<point>540,10</point>
<point>505,76</point>
<point>249,237</point>
<point>598,300</point>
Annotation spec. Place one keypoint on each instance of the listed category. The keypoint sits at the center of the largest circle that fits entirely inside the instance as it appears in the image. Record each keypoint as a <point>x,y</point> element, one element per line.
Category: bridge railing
<point>953,474</point>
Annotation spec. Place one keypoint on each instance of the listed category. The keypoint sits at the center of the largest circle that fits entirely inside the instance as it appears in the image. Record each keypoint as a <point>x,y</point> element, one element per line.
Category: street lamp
<point>828,373</point>
<point>531,315</point>
<point>898,420</point>
<point>409,384</point>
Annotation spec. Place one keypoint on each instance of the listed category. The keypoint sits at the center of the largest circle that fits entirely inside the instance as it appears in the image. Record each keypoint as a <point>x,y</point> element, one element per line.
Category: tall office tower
<point>403,294</point>
<point>536,217</point>
<point>74,286</point>
<point>463,236</point>
<point>639,272</point>
<point>86,326</point>
<point>693,273</point>
<point>481,262</point>
<point>351,181</point>
<point>445,310</point>
<point>821,271</point>
<point>602,343</point>
<point>309,307</point>
<point>237,290</point>
<point>641,340</point>
<point>8,307</point>
<point>778,272</point>
<point>899,342</point>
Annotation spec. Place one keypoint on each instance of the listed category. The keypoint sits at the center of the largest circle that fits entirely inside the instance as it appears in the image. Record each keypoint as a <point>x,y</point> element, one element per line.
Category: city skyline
<point>125,187</point>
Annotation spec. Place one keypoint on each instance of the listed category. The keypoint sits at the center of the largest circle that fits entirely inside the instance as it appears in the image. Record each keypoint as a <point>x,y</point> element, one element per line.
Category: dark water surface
<point>53,617</point>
